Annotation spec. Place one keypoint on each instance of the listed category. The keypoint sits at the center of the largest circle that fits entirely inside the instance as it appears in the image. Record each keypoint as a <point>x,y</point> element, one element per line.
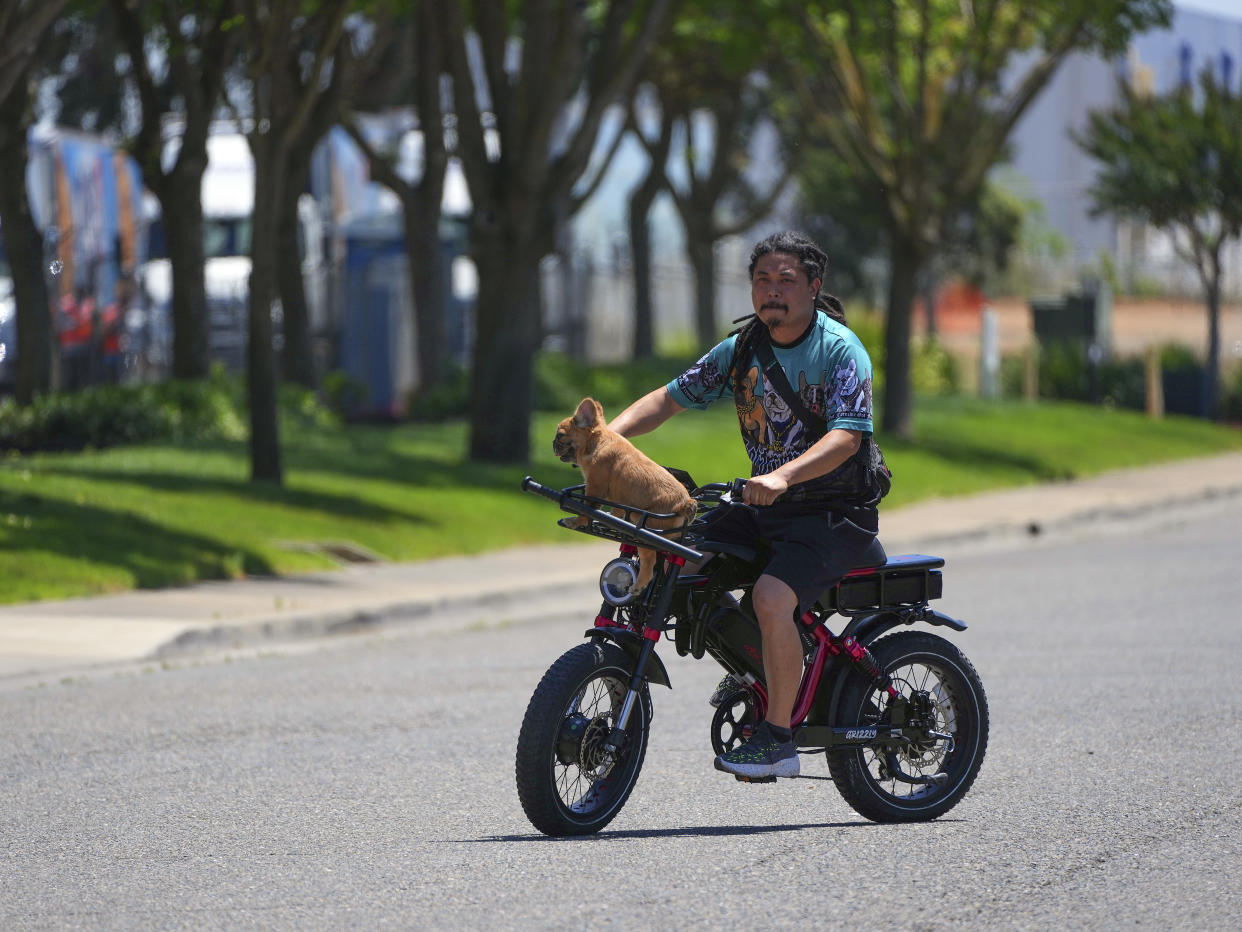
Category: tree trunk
<point>929,302</point>
<point>37,355</point>
<point>428,274</point>
<point>269,166</point>
<point>640,258</point>
<point>506,340</point>
<point>183,223</point>
<point>640,233</point>
<point>429,290</point>
<point>573,309</point>
<point>906,260</point>
<point>1211,394</point>
<point>297,355</point>
<point>703,261</point>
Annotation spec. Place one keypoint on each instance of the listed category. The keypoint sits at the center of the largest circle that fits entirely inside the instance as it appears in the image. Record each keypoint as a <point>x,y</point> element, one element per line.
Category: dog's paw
<point>640,584</point>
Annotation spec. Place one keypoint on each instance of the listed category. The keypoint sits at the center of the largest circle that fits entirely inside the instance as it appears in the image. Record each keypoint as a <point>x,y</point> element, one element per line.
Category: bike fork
<point>651,634</point>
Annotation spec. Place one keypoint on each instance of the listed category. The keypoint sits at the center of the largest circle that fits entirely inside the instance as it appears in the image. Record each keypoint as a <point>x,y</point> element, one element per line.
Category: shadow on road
<point>689,831</point>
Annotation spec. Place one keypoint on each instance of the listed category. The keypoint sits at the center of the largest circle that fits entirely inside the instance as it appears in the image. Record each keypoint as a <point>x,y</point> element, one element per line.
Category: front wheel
<point>947,732</point>
<point>567,783</point>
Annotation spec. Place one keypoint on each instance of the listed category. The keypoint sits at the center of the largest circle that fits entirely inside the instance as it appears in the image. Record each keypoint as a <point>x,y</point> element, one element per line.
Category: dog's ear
<point>589,413</point>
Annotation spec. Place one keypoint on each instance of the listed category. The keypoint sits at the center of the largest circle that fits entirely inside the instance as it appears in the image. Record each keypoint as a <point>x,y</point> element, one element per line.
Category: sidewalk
<point>456,592</point>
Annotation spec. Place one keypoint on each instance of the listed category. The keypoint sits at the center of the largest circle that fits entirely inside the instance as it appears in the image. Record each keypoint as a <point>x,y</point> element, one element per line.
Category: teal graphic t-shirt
<point>828,367</point>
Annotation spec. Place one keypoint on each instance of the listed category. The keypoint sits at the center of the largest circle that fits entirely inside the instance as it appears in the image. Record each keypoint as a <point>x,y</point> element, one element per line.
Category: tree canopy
<point>920,100</point>
<point>1175,162</point>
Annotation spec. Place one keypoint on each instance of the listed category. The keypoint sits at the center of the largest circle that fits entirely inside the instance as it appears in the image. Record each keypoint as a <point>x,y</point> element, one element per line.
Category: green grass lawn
<point>150,516</point>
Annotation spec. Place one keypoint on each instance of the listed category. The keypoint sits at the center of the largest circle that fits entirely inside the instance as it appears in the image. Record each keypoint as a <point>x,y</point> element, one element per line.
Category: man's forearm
<point>825,455</point>
<point>646,414</point>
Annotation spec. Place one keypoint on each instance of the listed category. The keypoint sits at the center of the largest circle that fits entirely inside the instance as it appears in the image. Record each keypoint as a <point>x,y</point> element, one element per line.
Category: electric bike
<point>901,717</point>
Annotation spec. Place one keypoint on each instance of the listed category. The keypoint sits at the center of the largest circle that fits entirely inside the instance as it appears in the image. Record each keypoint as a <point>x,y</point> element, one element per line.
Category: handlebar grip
<point>736,487</point>
<point>530,485</point>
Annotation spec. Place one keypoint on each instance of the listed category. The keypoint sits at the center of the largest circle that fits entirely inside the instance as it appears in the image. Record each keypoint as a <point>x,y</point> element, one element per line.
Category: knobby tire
<point>916,660</point>
<point>560,786</point>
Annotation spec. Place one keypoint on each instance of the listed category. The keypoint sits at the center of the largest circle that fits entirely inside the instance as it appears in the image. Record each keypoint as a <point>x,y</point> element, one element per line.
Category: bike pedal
<point>740,779</point>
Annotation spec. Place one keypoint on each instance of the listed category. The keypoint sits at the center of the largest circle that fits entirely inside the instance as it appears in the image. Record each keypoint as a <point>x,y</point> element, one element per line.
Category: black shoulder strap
<point>775,376</point>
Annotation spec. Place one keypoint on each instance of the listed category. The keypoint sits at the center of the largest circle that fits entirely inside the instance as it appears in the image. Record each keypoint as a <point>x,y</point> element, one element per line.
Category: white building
<point>1050,168</point>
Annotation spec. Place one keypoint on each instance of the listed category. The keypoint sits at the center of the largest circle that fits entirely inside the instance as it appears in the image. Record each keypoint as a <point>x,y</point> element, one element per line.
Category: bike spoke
<point>909,681</point>
<point>599,702</point>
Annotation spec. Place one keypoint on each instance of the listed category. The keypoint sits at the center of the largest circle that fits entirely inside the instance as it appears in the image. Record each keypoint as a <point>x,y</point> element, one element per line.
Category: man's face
<point>780,291</point>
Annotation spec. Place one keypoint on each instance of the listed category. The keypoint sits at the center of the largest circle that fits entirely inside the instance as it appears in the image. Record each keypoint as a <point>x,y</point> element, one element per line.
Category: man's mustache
<point>774,306</point>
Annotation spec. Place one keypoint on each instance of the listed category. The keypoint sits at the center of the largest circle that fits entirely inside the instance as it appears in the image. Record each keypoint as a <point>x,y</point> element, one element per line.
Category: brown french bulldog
<point>617,471</point>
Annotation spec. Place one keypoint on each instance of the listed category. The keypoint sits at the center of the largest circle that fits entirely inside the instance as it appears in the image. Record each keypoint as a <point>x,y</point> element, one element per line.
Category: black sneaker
<point>761,756</point>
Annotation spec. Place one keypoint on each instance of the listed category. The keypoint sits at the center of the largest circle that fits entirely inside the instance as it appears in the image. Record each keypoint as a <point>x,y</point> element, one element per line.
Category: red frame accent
<point>825,646</point>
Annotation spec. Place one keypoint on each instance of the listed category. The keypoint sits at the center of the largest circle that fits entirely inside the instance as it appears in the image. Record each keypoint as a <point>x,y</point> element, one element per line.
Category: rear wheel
<point>948,732</point>
<point>567,783</point>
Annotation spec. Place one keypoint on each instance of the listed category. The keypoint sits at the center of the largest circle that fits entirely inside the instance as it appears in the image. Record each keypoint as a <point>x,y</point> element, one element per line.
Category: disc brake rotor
<point>581,743</point>
<point>926,746</point>
<point>591,757</point>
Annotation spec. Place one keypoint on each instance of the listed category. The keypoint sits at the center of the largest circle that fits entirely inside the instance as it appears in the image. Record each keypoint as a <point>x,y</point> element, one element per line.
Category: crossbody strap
<point>775,376</point>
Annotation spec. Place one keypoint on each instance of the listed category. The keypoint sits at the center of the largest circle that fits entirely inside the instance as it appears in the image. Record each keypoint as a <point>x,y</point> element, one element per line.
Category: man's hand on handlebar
<point>764,490</point>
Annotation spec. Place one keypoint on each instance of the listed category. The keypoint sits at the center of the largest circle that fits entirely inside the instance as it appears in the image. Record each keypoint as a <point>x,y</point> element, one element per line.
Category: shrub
<point>1123,383</point>
<point>1065,375</point>
<point>450,399</point>
<point>211,409</point>
<point>1177,357</point>
<point>1063,371</point>
<point>342,392</point>
<point>934,370</point>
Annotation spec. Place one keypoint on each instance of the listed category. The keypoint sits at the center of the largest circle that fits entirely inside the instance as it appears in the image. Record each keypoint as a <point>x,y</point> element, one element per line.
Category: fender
<point>632,644</point>
<point>867,628</point>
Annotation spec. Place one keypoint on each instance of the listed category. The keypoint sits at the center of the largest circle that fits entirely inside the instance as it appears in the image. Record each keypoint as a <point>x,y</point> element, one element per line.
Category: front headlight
<point>617,579</point>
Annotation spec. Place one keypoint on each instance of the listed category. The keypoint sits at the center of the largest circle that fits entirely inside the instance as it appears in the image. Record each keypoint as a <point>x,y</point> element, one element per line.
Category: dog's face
<point>573,433</point>
<point>563,445</point>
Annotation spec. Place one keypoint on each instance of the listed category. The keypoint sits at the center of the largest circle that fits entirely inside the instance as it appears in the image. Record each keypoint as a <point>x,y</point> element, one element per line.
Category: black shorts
<point>808,549</point>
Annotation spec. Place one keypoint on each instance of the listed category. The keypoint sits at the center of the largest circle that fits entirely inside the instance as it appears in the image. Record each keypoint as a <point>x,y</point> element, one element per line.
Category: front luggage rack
<point>630,528</point>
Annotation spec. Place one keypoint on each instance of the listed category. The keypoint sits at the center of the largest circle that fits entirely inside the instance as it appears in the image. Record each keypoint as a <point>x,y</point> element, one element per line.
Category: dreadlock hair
<point>814,261</point>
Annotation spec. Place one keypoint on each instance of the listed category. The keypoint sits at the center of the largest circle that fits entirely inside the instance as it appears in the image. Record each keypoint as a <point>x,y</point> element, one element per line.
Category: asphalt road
<point>368,780</point>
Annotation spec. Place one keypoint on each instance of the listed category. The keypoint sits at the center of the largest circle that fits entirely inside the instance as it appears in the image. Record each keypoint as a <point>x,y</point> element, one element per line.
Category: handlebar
<point>623,530</point>
<point>716,491</point>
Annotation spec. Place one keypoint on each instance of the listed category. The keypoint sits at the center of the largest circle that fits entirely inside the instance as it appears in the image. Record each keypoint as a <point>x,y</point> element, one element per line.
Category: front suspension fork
<point>663,585</point>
